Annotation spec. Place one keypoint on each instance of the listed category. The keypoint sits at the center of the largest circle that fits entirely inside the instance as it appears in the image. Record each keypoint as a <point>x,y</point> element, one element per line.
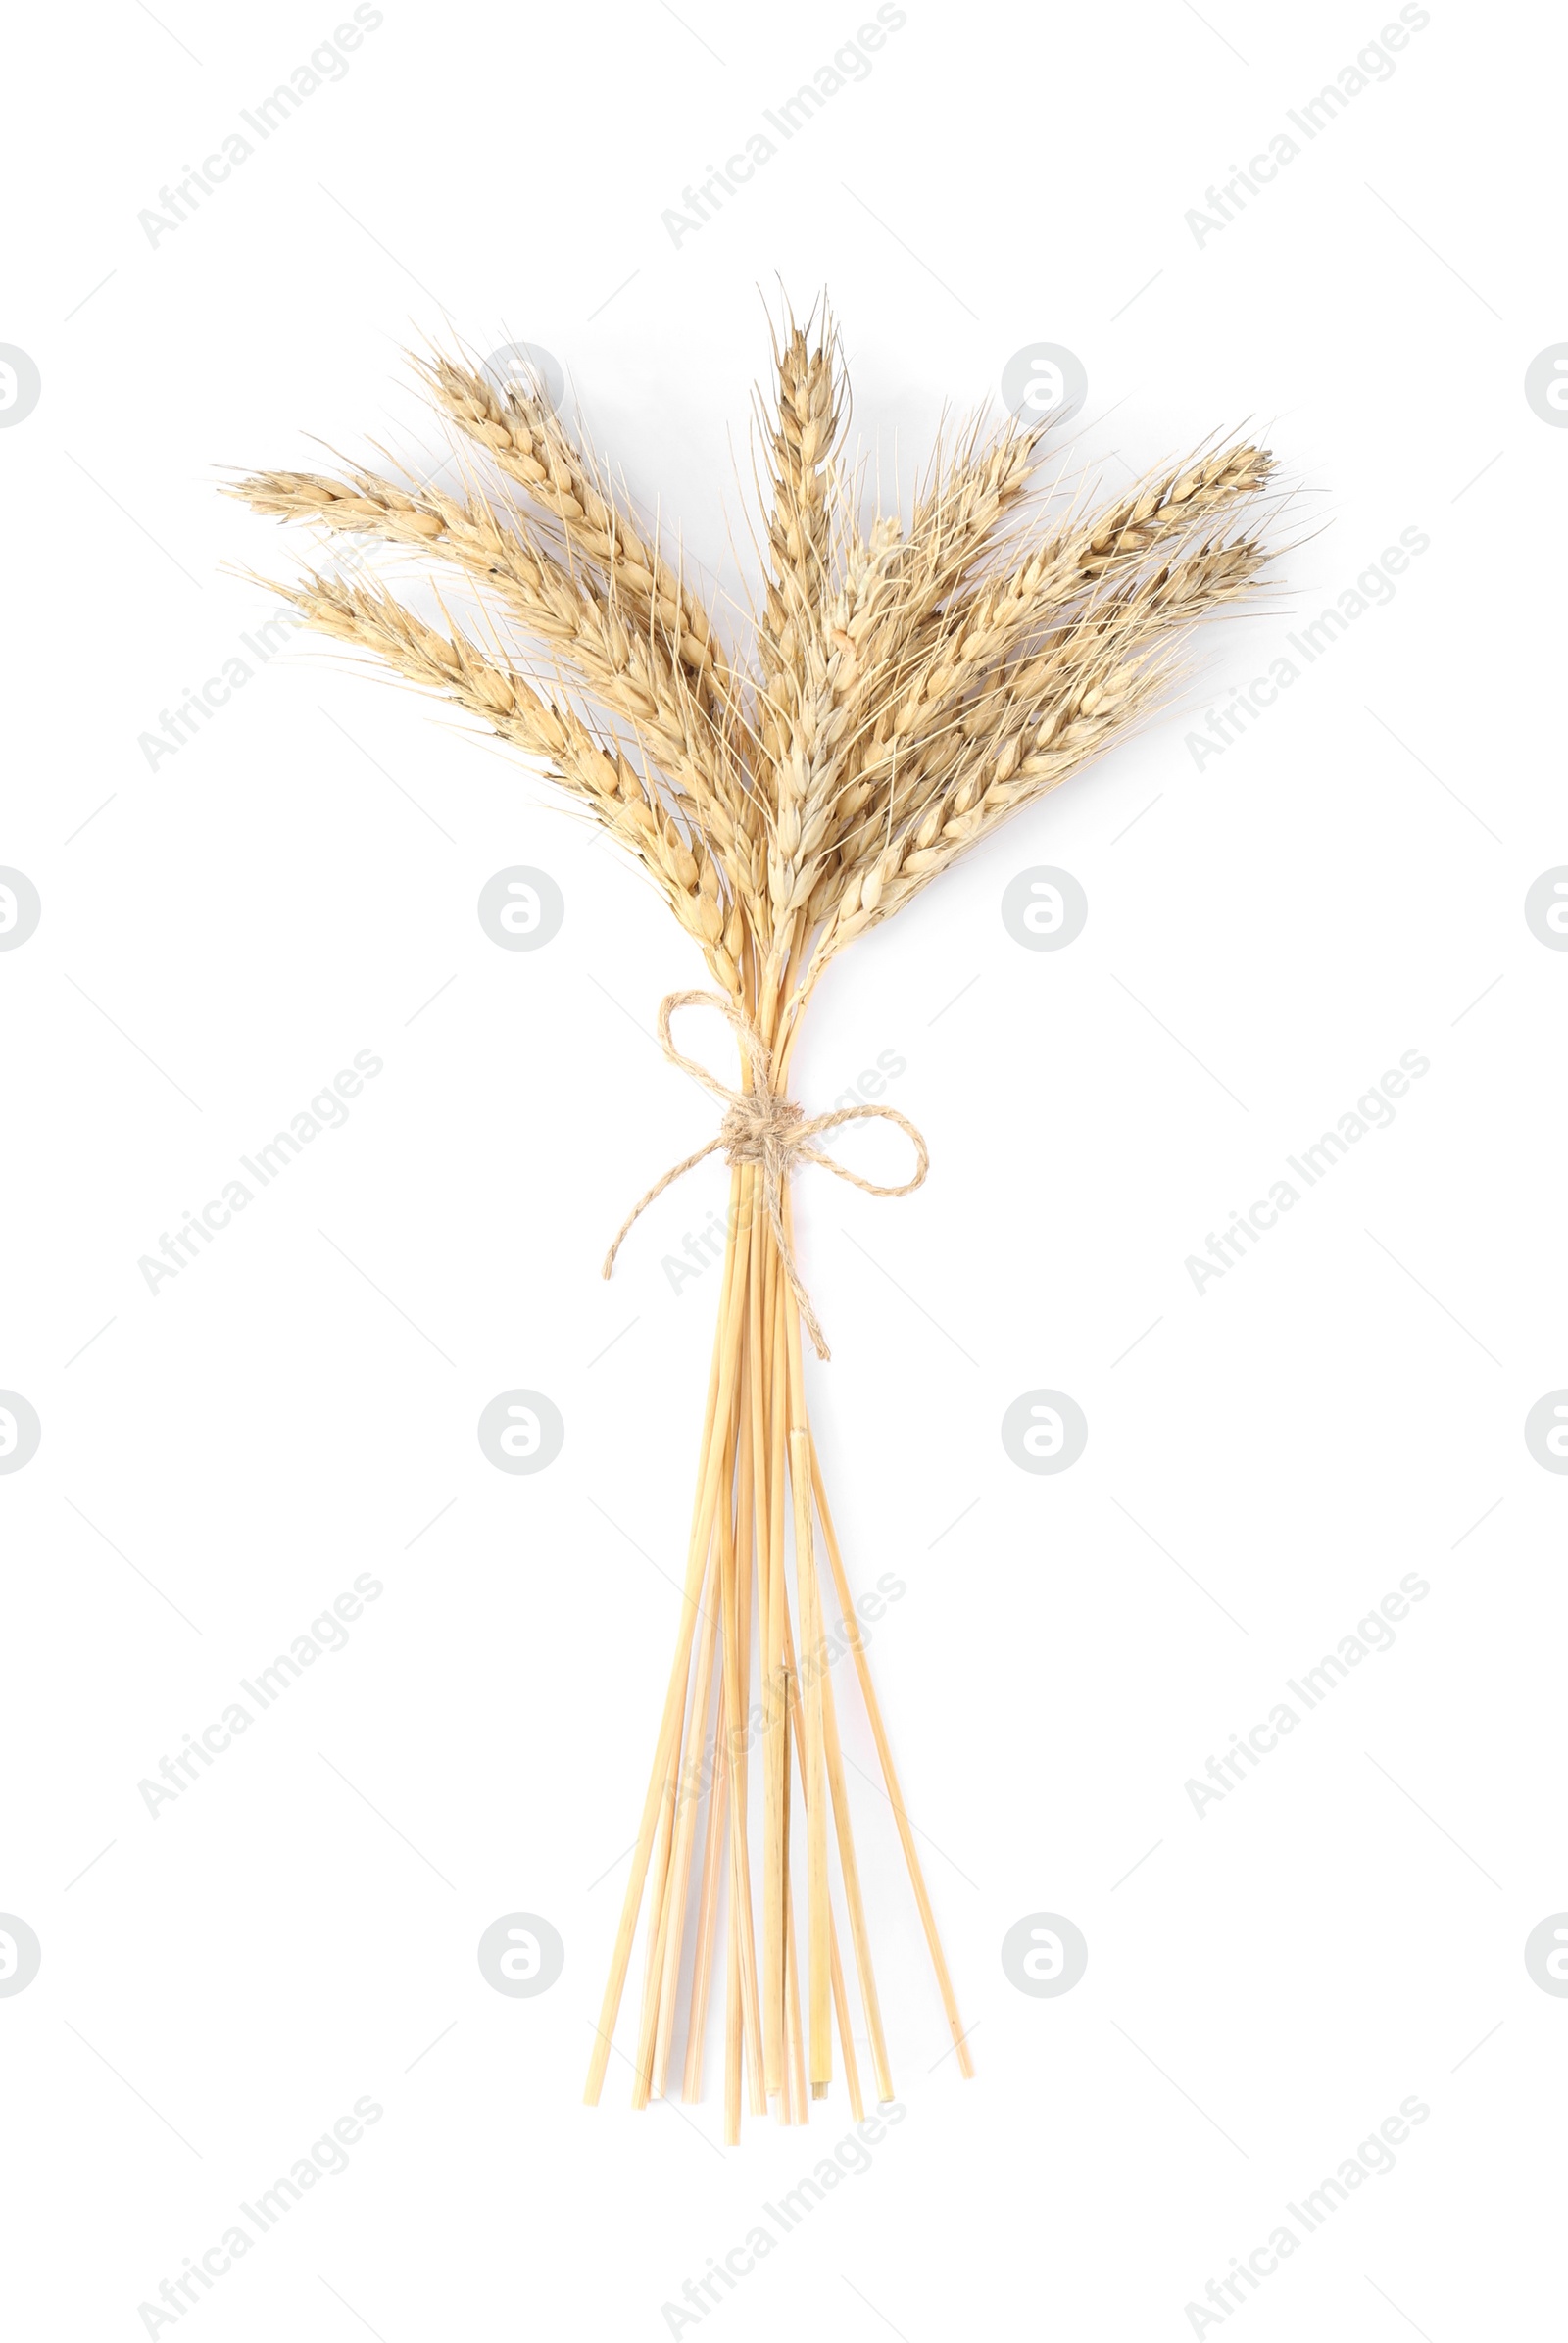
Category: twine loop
<point>763,1126</point>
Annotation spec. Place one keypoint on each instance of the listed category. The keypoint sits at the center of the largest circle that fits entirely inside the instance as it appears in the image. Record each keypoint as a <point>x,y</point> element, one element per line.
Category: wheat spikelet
<point>597,775</point>
<point>525,439</point>
<point>629,671</point>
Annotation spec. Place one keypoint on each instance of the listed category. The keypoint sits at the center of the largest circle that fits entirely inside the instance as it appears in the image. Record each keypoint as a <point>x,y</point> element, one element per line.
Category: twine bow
<point>762,1126</point>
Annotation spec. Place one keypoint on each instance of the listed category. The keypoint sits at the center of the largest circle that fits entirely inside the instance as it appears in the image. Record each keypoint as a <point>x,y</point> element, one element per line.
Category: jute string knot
<point>764,1128</point>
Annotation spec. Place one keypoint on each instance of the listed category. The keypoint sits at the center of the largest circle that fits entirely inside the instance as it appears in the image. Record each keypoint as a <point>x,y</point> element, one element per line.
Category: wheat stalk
<point>908,688</point>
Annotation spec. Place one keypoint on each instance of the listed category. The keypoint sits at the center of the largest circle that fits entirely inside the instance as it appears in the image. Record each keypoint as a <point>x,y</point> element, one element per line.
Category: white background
<point>220,1460</point>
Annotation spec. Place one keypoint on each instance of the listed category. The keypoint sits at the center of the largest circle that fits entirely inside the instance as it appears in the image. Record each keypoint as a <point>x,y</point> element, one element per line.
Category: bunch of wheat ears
<point>912,682</point>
